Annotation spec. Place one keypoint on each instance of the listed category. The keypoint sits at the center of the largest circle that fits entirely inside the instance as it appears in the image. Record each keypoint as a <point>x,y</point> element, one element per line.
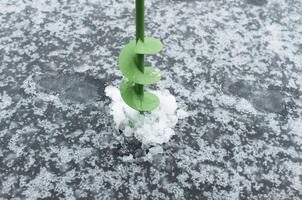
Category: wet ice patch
<point>81,92</point>
<point>257,2</point>
<point>71,87</point>
<point>269,101</point>
<point>240,88</point>
<point>265,100</point>
<point>151,128</point>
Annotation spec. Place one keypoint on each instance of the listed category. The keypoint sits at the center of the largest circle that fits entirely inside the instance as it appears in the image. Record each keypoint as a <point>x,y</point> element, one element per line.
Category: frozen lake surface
<point>234,65</point>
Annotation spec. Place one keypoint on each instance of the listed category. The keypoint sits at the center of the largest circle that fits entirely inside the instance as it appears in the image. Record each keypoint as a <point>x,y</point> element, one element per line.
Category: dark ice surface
<point>234,65</point>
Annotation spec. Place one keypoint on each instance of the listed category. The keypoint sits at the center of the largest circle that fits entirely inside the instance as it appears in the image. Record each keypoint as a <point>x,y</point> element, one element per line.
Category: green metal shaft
<point>140,35</point>
<point>139,7</point>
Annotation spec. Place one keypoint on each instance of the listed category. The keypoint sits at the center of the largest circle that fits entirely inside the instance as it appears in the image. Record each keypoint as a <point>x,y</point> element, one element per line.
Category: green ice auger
<point>131,63</point>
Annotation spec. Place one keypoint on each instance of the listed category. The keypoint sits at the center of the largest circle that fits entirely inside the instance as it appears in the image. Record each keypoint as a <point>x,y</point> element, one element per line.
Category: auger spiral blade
<point>131,63</point>
<point>130,69</point>
<point>143,103</point>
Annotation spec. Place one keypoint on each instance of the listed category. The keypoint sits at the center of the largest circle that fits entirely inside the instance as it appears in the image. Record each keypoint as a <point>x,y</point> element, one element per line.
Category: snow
<point>151,128</point>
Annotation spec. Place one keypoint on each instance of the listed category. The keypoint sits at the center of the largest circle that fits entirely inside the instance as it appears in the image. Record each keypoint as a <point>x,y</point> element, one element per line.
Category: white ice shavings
<point>29,86</point>
<point>154,151</point>
<point>56,27</point>
<point>245,106</point>
<point>83,68</point>
<point>5,100</point>
<point>280,42</point>
<point>66,154</point>
<point>276,42</point>
<point>7,7</point>
<point>295,127</point>
<point>40,186</point>
<point>151,128</point>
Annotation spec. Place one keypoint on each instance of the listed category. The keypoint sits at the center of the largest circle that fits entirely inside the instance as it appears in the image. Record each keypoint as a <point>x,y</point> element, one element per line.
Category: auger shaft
<point>139,7</point>
<point>140,35</point>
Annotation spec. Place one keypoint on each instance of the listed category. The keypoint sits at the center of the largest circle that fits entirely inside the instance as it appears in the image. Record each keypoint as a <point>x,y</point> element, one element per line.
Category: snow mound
<point>150,128</point>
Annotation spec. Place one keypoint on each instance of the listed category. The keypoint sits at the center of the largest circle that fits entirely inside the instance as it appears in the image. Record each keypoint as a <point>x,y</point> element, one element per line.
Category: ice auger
<point>131,63</point>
